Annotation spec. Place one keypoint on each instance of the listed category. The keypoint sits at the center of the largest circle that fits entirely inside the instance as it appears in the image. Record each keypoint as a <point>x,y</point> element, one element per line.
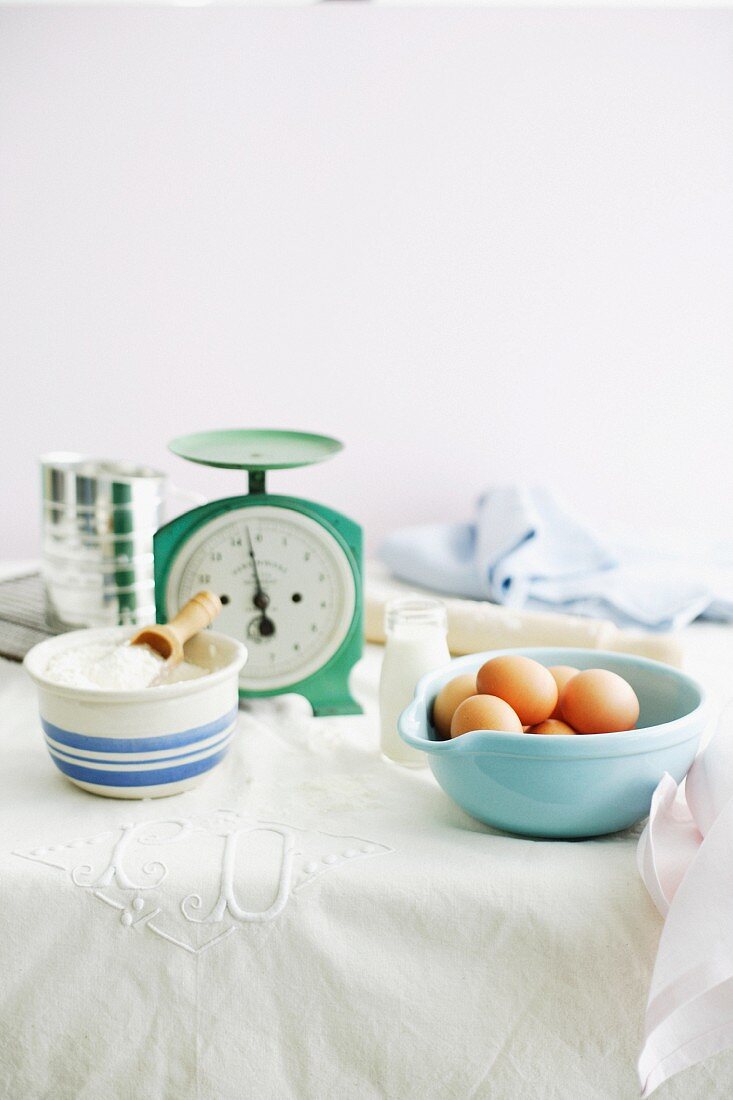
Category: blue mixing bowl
<point>560,786</point>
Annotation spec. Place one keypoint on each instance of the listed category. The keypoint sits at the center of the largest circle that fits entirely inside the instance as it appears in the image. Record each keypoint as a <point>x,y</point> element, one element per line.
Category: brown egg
<point>448,698</point>
<point>524,684</point>
<point>561,674</point>
<point>484,712</point>
<point>552,726</point>
<point>598,701</point>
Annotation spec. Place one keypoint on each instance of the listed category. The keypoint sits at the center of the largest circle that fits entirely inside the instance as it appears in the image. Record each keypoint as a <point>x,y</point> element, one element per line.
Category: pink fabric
<point>685,857</point>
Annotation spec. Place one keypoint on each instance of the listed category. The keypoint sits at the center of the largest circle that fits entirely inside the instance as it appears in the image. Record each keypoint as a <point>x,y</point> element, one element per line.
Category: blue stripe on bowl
<point>132,761</point>
<point>139,779</point>
<point>137,744</point>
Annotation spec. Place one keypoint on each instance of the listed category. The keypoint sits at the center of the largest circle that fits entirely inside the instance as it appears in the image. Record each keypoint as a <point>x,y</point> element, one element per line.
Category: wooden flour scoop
<point>168,639</point>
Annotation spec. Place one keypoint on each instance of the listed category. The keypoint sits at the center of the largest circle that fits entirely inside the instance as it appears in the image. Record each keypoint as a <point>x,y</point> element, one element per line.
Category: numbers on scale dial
<point>286,590</point>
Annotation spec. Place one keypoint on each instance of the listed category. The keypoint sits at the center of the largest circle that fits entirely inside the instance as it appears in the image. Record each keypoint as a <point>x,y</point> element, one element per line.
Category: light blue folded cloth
<point>525,550</point>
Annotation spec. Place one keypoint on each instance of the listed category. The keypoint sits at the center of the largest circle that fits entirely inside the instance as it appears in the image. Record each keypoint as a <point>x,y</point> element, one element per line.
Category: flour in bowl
<point>108,666</point>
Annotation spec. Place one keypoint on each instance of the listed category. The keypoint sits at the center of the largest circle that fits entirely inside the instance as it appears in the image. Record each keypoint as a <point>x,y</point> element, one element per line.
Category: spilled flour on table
<point>340,792</point>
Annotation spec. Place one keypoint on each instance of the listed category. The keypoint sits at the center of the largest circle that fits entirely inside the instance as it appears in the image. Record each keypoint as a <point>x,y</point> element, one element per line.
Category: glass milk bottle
<point>416,631</point>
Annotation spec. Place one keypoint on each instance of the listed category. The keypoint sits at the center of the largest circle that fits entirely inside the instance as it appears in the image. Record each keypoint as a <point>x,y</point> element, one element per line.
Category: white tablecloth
<point>313,922</point>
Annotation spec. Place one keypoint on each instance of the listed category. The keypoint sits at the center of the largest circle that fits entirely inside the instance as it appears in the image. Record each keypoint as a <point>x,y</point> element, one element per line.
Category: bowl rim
<point>42,651</point>
<point>414,719</point>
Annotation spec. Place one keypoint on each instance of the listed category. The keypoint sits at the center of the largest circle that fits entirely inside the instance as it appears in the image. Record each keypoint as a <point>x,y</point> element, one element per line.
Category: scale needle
<point>260,599</point>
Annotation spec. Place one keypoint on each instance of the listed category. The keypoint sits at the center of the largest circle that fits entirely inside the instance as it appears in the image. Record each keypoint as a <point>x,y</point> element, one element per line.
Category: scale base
<point>326,701</point>
<point>346,706</point>
<point>327,690</point>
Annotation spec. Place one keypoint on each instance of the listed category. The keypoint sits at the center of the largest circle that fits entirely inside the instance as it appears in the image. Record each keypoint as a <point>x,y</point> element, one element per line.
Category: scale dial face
<point>286,585</point>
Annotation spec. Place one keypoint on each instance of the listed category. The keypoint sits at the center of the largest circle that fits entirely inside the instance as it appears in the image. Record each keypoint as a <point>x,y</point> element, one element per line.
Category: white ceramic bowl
<point>140,744</point>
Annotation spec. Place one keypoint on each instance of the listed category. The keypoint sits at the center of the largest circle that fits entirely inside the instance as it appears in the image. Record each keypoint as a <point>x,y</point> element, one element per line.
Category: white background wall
<point>477,245</point>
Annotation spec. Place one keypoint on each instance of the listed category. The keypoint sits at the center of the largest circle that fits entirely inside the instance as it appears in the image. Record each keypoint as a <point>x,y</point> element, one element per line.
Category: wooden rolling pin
<point>475,625</point>
<point>168,639</point>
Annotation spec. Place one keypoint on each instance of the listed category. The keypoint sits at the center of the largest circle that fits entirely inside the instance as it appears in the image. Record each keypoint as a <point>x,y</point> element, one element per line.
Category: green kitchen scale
<point>288,571</point>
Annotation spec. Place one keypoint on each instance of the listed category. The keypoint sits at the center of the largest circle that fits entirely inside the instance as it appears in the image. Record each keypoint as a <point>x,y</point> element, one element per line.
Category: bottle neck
<point>412,616</point>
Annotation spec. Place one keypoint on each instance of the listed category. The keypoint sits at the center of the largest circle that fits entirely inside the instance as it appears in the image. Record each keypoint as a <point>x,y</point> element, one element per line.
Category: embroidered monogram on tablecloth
<point>195,881</point>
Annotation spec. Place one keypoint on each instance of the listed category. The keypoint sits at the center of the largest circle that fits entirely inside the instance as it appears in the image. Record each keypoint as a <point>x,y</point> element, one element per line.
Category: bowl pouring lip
<point>414,719</point>
<point>40,654</point>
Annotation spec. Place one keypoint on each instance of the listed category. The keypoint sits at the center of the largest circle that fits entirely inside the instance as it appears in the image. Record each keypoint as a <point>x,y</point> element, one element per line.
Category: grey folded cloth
<point>22,615</point>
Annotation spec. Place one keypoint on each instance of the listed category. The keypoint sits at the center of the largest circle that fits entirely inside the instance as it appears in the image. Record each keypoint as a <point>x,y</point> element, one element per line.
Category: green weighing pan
<point>255,450</point>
